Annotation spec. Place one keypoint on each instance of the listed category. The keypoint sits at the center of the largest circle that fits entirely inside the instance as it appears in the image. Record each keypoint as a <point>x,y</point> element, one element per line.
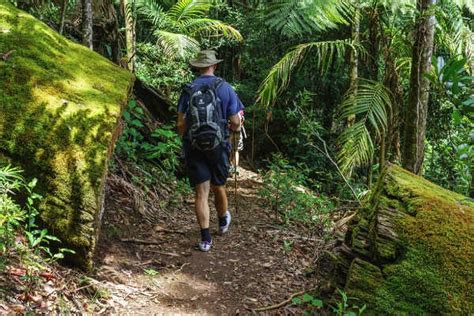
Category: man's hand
<point>235,123</point>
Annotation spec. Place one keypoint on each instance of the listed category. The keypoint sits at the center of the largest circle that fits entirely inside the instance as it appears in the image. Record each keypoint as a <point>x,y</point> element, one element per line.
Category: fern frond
<point>368,102</point>
<point>279,76</point>
<point>176,45</point>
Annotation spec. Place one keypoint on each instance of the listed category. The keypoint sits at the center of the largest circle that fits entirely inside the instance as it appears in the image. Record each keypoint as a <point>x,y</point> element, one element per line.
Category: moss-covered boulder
<point>411,249</point>
<point>60,106</point>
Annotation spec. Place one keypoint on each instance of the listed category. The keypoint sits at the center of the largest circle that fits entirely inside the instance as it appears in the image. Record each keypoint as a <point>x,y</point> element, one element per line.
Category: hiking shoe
<point>224,225</point>
<point>205,245</point>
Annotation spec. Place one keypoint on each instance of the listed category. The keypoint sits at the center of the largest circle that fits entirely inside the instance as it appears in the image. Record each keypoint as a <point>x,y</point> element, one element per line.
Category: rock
<point>410,249</point>
<point>60,107</point>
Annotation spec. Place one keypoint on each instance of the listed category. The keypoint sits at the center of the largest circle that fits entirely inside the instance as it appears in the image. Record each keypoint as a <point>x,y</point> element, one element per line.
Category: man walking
<point>208,116</point>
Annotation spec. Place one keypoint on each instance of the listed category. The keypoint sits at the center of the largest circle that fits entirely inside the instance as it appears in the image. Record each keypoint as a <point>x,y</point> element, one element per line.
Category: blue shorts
<point>202,166</point>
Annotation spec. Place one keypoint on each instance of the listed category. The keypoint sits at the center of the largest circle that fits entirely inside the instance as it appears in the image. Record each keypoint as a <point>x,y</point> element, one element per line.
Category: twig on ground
<point>181,268</point>
<point>171,254</point>
<point>83,287</point>
<point>171,231</point>
<point>281,304</point>
<point>141,241</point>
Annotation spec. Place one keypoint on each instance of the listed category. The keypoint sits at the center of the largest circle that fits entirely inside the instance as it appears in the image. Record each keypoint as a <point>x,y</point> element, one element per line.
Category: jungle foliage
<point>334,89</point>
<point>333,93</point>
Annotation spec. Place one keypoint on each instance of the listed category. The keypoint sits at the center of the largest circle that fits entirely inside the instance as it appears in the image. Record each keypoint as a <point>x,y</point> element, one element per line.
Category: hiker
<point>208,121</point>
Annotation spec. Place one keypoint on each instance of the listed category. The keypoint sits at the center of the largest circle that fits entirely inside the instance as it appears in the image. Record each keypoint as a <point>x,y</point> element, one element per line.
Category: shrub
<point>285,192</point>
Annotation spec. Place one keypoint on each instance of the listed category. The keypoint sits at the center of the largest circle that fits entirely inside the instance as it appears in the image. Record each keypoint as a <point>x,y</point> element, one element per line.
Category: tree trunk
<point>374,43</point>
<point>392,82</point>
<point>115,38</point>
<point>417,107</point>
<point>129,33</point>
<point>63,16</point>
<point>354,58</point>
<point>87,23</point>
<point>471,189</point>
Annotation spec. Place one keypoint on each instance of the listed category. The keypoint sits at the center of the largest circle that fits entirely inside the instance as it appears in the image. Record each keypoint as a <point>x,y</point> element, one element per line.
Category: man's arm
<point>181,124</point>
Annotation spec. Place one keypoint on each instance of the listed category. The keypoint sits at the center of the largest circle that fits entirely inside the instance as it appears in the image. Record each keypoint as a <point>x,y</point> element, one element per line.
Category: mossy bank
<point>411,249</point>
<point>60,107</point>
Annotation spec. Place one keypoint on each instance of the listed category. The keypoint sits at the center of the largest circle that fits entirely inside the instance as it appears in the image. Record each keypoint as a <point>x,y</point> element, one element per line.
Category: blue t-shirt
<point>230,102</point>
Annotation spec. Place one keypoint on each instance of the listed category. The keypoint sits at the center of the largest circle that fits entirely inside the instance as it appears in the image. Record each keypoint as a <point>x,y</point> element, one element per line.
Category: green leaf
<point>307,298</point>
<point>457,117</point>
<point>32,183</point>
<point>297,301</point>
<point>317,303</point>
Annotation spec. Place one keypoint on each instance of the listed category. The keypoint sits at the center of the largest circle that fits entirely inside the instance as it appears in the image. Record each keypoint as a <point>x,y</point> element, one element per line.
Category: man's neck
<point>208,72</point>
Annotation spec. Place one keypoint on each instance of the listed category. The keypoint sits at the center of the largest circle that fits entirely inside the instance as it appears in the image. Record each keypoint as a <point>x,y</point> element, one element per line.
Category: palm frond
<point>189,9</point>
<point>368,103</point>
<point>176,45</point>
<point>403,65</point>
<point>355,147</point>
<point>211,28</point>
<point>152,11</point>
<point>297,17</point>
<point>398,6</point>
<point>279,76</point>
<point>452,32</point>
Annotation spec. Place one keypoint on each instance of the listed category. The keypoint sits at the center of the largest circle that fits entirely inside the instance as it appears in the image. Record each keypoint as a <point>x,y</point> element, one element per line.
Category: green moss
<point>429,266</point>
<point>363,279</point>
<point>414,286</point>
<point>60,106</point>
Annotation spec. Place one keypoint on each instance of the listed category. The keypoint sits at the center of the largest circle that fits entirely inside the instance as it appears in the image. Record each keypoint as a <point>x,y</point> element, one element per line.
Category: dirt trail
<point>247,268</point>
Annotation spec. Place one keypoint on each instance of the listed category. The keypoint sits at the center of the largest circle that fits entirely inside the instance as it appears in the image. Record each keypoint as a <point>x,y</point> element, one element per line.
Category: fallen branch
<point>275,306</point>
<point>141,241</point>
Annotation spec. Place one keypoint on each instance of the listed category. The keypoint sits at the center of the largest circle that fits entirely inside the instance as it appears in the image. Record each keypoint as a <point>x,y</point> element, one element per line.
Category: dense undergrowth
<point>30,280</point>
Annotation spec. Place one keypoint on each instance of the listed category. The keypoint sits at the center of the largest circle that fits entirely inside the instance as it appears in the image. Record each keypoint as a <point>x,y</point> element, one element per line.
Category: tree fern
<point>325,53</point>
<point>369,102</point>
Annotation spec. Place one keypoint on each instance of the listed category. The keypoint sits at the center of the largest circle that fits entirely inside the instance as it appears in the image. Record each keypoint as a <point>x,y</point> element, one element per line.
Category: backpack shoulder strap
<point>189,88</point>
<point>217,83</point>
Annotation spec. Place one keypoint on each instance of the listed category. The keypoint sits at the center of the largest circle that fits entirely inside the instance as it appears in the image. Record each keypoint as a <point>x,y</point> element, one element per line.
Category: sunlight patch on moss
<point>60,106</point>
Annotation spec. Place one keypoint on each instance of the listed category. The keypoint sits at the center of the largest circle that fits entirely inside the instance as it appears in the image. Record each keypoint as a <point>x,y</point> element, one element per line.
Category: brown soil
<point>247,268</point>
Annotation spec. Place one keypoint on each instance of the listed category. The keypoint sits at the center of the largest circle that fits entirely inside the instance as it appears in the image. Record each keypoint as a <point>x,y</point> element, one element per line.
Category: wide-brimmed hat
<point>204,59</point>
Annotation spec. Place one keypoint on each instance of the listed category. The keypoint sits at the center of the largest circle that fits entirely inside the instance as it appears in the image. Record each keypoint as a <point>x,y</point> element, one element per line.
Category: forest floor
<point>150,265</point>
